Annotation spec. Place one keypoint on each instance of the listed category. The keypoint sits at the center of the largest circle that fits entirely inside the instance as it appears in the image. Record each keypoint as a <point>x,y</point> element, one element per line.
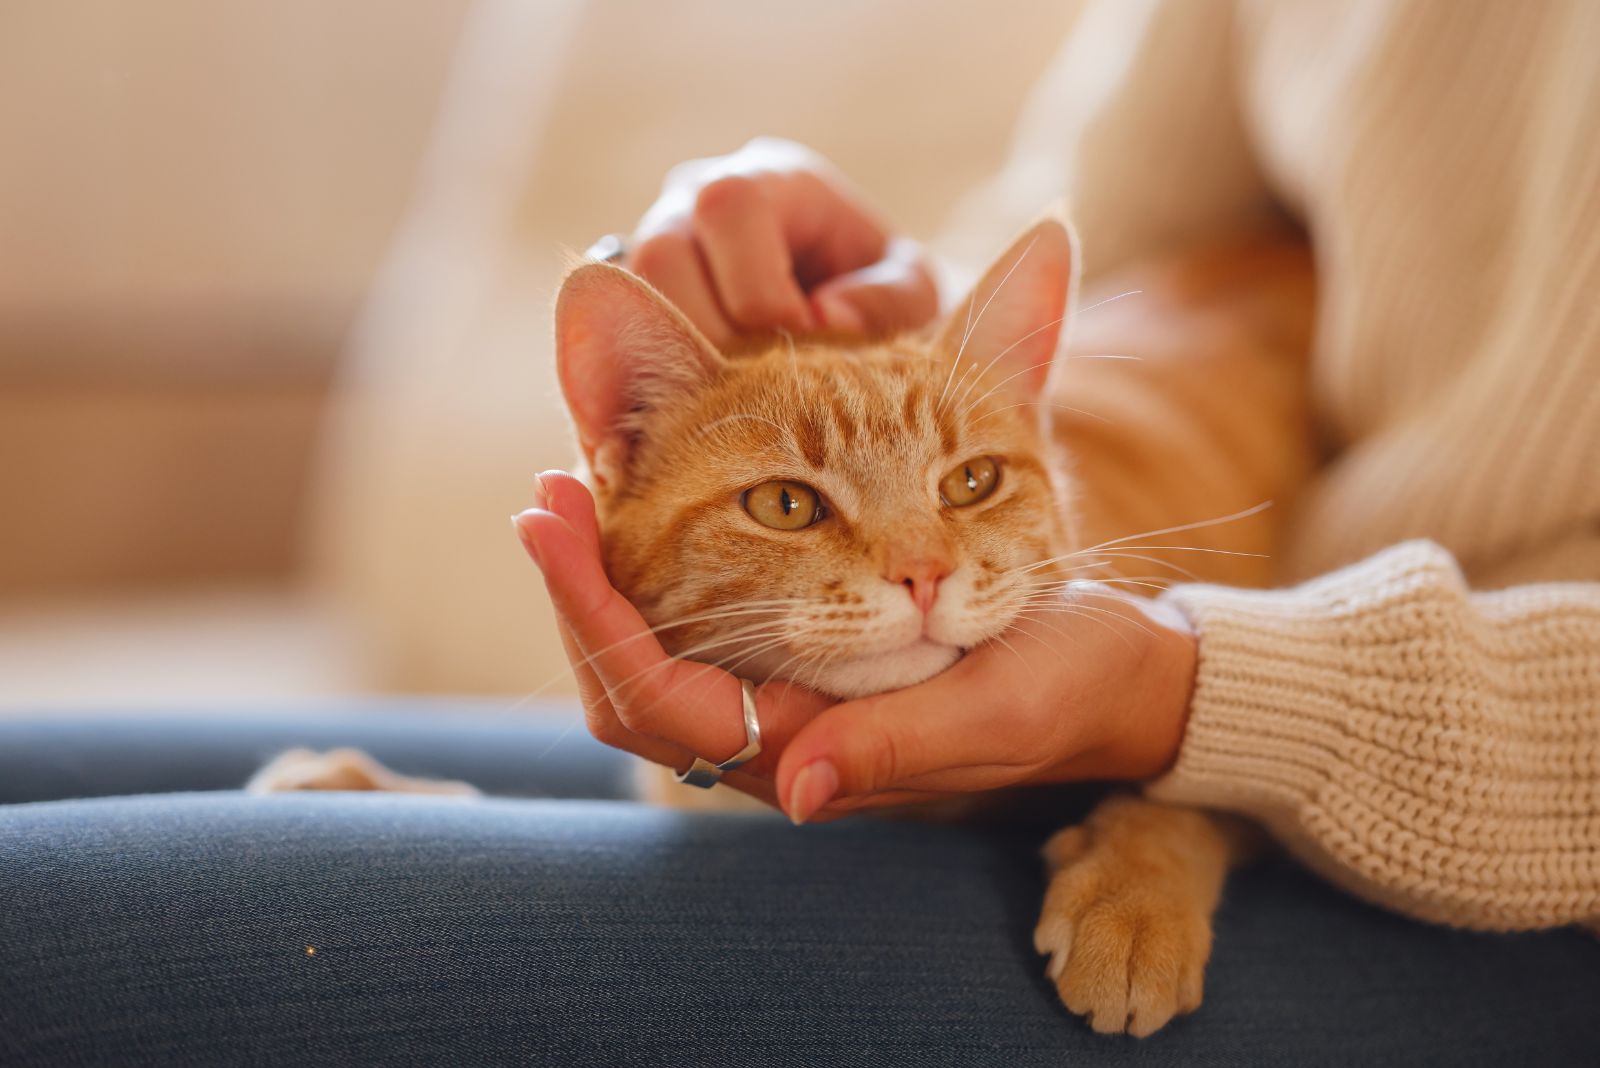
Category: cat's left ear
<point>1012,321</point>
<point>622,350</point>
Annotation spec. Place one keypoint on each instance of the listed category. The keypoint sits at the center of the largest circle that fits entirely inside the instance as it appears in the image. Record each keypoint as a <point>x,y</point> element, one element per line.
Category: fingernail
<point>541,496</point>
<point>528,544</point>
<point>839,314</point>
<point>814,787</point>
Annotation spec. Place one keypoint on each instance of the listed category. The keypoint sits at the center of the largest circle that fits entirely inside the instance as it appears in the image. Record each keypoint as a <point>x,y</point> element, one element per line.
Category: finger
<point>782,708</point>
<point>894,294</point>
<point>558,489</point>
<point>829,228</point>
<point>670,260</point>
<point>567,497</point>
<point>562,494</point>
<point>753,786</point>
<point>782,711</point>
<point>742,238</point>
<point>826,223</point>
<point>845,806</point>
<point>947,734</point>
<point>625,673</point>
<point>619,644</point>
<point>601,717</point>
<point>696,707</point>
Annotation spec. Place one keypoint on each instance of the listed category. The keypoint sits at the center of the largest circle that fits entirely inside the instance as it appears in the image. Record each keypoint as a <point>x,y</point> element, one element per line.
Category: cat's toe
<point>1124,966</point>
<point>344,769</point>
<point>1052,939</point>
<point>1165,969</point>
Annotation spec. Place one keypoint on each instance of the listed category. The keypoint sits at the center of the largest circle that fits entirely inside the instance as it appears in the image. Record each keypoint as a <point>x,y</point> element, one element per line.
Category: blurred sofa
<point>274,300</point>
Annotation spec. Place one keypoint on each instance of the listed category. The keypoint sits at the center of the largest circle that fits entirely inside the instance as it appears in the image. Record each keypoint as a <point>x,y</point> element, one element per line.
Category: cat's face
<point>853,517</point>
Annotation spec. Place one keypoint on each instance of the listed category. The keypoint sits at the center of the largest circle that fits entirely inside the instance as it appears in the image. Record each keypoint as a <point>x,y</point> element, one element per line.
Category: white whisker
<point>1002,355</point>
<point>708,428</point>
<point>1199,549</point>
<point>1032,673</point>
<point>738,608</point>
<point>973,324</point>
<point>631,682</point>
<point>1179,568</point>
<point>1102,564</point>
<point>1072,607</point>
<point>1039,404</point>
<point>1108,300</point>
<point>1245,514</point>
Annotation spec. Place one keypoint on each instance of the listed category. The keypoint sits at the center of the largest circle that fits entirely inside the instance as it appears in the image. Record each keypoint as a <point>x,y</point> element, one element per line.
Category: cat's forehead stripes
<point>880,404</point>
<point>873,428</point>
<point>844,423</point>
<point>810,436</point>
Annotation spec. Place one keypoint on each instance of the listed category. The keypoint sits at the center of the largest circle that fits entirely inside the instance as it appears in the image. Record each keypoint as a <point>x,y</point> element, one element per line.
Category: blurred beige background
<point>274,294</point>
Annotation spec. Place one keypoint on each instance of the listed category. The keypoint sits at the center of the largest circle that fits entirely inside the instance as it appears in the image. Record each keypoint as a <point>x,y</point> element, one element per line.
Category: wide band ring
<point>703,773</point>
<point>612,248</point>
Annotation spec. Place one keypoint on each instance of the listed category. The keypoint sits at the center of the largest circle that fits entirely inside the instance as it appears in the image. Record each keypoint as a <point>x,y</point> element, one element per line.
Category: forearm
<point>1433,750</point>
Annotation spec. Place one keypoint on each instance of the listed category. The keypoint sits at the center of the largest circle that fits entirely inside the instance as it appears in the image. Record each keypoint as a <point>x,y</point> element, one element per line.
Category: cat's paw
<point>344,769</point>
<point>1126,934</point>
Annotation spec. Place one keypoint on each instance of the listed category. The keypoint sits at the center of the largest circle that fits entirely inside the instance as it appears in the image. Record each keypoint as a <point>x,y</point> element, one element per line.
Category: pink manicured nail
<point>814,787</point>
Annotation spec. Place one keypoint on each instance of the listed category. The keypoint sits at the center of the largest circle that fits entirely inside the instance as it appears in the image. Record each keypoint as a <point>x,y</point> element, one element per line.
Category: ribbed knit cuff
<point>1430,750</point>
<point>1294,687</point>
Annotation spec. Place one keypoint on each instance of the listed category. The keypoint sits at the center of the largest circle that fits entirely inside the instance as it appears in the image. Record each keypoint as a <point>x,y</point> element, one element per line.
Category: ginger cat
<point>855,515</point>
<point>797,510</point>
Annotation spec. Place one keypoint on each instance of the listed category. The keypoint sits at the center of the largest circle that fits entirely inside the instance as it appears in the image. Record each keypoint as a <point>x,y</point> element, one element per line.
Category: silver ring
<point>703,773</point>
<point>612,248</point>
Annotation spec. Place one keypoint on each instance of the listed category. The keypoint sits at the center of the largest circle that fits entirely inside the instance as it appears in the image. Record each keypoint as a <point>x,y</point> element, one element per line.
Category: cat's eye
<point>783,505</point>
<point>970,482</point>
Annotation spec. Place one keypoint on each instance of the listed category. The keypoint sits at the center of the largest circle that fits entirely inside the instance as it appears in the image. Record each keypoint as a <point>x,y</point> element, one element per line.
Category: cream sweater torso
<point>1434,749</point>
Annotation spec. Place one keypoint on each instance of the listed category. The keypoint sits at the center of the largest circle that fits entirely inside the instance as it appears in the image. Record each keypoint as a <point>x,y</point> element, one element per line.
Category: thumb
<point>895,293</point>
<point>939,735</point>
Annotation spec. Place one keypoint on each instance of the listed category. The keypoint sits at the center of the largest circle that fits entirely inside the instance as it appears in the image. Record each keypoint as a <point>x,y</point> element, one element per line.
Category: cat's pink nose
<point>921,579</point>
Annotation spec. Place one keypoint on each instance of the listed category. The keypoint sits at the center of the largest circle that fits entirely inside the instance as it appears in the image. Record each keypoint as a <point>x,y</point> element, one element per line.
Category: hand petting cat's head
<point>850,515</point>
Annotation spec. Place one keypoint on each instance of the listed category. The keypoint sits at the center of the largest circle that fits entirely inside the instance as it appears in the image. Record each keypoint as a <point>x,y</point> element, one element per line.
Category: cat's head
<point>851,515</point>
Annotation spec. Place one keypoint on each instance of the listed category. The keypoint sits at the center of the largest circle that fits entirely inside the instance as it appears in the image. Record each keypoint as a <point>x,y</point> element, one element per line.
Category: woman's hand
<point>773,237</point>
<point>635,697</point>
<point>1097,690</point>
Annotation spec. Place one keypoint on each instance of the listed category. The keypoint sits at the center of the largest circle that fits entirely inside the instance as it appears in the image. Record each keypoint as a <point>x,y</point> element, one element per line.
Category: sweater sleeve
<point>1433,750</point>
<point>1138,123</point>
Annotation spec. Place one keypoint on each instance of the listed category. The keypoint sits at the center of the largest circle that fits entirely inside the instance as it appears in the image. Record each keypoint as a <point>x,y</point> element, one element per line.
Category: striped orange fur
<point>675,433</point>
<point>1209,419</point>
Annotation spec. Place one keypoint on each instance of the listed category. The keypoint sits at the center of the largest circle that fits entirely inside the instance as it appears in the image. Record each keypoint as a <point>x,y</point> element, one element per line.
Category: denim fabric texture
<point>211,928</point>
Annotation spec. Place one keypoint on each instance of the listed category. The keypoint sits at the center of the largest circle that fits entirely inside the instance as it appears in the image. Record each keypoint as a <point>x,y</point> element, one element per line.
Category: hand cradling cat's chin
<point>852,515</point>
<point>845,514</point>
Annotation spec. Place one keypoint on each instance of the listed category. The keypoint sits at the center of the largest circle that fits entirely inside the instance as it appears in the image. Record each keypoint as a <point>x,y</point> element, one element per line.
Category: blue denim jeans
<point>146,918</point>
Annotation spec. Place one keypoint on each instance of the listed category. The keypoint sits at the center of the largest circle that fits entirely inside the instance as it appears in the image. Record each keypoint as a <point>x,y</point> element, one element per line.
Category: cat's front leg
<point>1126,920</point>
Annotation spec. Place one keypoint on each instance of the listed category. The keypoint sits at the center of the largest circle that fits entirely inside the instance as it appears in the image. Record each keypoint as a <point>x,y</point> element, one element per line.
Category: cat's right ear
<point>622,350</point>
<point>1012,321</point>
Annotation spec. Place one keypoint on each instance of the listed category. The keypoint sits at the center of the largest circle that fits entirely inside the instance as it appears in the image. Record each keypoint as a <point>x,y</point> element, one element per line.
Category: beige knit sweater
<point>1434,749</point>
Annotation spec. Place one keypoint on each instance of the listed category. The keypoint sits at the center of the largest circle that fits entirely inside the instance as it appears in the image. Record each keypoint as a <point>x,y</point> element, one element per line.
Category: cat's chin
<point>893,670</point>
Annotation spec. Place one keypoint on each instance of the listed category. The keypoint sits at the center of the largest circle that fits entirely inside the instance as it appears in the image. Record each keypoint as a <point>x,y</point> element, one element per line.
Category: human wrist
<point>1164,687</point>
